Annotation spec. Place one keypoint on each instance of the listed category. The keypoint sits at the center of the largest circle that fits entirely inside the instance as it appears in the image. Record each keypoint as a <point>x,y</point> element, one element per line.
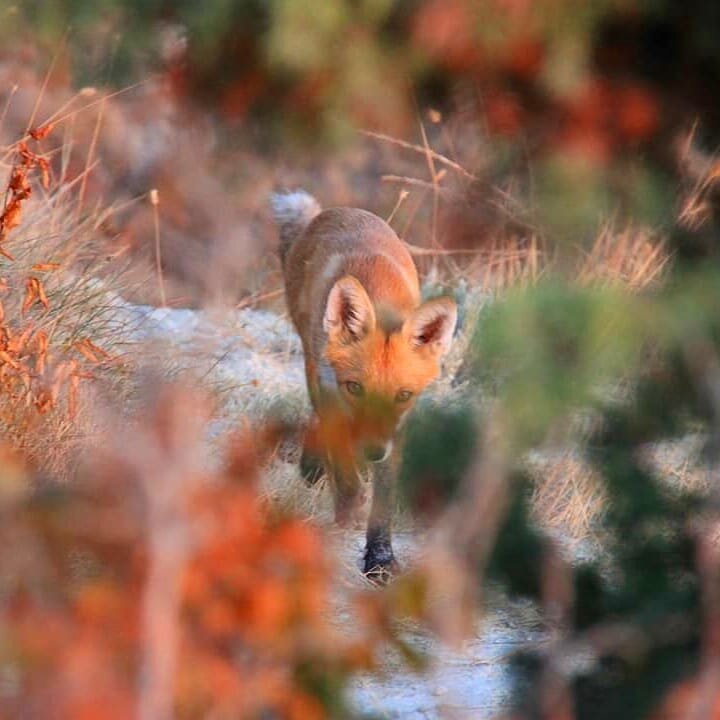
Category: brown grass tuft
<point>632,257</point>
<point>567,496</point>
<point>55,334</point>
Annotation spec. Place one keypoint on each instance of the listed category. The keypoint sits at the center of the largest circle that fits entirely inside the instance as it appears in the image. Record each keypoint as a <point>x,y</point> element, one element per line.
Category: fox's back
<point>347,241</point>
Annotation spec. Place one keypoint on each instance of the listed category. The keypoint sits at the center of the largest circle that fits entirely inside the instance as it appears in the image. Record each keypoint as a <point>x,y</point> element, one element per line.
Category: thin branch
<point>442,159</point>
<point>414,181</point>
<point>155,201</point>
<point>402,195</point>
<point>89,159</point>
<point>259,297</point>
<point>44,85</point>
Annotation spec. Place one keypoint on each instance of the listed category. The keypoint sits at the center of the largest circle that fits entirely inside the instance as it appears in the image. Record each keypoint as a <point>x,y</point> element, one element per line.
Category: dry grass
<point>631,257</point>
<point>567,497</point>
<point>60,345</point>
<point>484,233</point>
<point>700,172</point>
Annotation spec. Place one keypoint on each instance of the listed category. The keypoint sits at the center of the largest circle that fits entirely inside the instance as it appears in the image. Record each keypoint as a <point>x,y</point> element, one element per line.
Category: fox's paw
<point>379,565</point>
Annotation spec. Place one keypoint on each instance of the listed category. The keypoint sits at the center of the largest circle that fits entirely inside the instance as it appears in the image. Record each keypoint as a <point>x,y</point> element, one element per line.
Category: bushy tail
<point>293,212</point>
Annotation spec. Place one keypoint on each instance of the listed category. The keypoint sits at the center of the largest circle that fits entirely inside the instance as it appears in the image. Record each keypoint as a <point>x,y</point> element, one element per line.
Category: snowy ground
<point>254,361</point>
<point>469,683</point>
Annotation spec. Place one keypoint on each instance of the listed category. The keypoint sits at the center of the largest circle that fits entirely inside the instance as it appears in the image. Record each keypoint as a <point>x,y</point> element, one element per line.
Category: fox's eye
<point>403,396</point>
<point>354,388</point>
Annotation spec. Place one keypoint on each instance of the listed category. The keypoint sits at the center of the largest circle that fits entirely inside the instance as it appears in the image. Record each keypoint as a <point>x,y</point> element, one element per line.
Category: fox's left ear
<point>432,326</point>
<point>349,314</point>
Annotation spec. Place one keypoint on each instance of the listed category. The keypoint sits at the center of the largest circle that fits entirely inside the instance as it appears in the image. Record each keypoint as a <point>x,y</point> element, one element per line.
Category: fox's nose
<point>377,453</point>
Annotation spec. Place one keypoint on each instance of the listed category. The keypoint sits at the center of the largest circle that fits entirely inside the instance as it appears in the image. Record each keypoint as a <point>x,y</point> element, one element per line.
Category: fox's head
<point>382,362</point>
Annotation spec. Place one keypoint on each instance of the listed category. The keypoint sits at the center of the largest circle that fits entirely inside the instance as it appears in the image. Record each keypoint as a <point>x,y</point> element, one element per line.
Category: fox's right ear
<point>349,314</point>
<point>431,327</point>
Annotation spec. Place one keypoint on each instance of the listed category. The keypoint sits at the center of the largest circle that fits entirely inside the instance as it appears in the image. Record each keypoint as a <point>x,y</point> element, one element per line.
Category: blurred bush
<point>611,375</point>
<point>151,587</point>
<point>576,112</point>
<point>606,66</point>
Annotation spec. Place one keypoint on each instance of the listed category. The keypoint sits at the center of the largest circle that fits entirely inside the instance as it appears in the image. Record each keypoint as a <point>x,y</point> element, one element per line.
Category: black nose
<point>374,453</point>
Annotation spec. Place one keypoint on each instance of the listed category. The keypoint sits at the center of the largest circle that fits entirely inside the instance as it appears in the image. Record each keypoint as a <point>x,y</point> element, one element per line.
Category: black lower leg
<point>379,562</point>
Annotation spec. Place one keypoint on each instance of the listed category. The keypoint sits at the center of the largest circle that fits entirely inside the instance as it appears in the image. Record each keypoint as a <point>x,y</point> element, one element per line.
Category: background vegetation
<point>550,163</point>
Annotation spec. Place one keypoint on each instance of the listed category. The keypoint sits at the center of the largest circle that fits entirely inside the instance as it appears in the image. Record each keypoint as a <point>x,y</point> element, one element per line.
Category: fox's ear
<point>349,314</point>
<point>432,325</point>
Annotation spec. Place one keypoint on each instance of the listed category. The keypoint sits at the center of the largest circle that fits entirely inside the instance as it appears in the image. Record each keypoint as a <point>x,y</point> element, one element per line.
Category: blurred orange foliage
<point>251,635</point>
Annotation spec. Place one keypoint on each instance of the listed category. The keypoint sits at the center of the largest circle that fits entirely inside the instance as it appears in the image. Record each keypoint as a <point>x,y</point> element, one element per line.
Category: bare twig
<point>44,85</point>
<point>259,297</point>
<point>435,182</point>
<point>506,257</point>
<point>155,201</point>
<point>402,195</point>
<point>465,537</point>
<point>11,95</point>
<point>420,149</point>
<point>557,600</point>
<point>169,462</point>
<point>89,159</point>
<point>405,180</point>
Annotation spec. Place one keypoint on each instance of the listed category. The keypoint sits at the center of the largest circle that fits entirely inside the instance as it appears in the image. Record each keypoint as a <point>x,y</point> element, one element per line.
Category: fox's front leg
<point>343,475</point>
<point>312,461</point>
<point>380,562</point>
<point>312,464</point>
<point>348,493</point>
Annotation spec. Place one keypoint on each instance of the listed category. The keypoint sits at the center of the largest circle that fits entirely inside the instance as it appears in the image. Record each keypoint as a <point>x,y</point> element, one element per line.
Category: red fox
<point>370,348</point>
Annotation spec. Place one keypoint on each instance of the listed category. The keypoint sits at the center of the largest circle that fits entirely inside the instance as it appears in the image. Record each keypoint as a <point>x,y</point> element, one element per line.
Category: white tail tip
<point>296,208</point>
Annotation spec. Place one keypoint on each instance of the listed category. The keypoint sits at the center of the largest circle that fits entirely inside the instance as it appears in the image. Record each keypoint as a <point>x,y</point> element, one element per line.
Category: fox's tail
<point>293,212</point>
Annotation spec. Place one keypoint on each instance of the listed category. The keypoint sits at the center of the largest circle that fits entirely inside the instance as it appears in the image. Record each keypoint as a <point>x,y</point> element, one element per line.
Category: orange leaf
<point>46,267</point>
<point>44,172</point>
<point>44,402</point>
<point>11,216</point>
<point>90,351</point>
<point>42,296</point>
<point>40,133</point>
<point>30,294</point>
<point>86,352</point>
<point>17,343</point>
<point>41,342</point>
<point>34,292</point>
<point>6,358</point>
<point>19,185</point>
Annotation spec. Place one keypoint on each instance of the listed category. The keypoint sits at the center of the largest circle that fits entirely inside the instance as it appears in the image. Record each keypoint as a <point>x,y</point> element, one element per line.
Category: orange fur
<point>344,242</point>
